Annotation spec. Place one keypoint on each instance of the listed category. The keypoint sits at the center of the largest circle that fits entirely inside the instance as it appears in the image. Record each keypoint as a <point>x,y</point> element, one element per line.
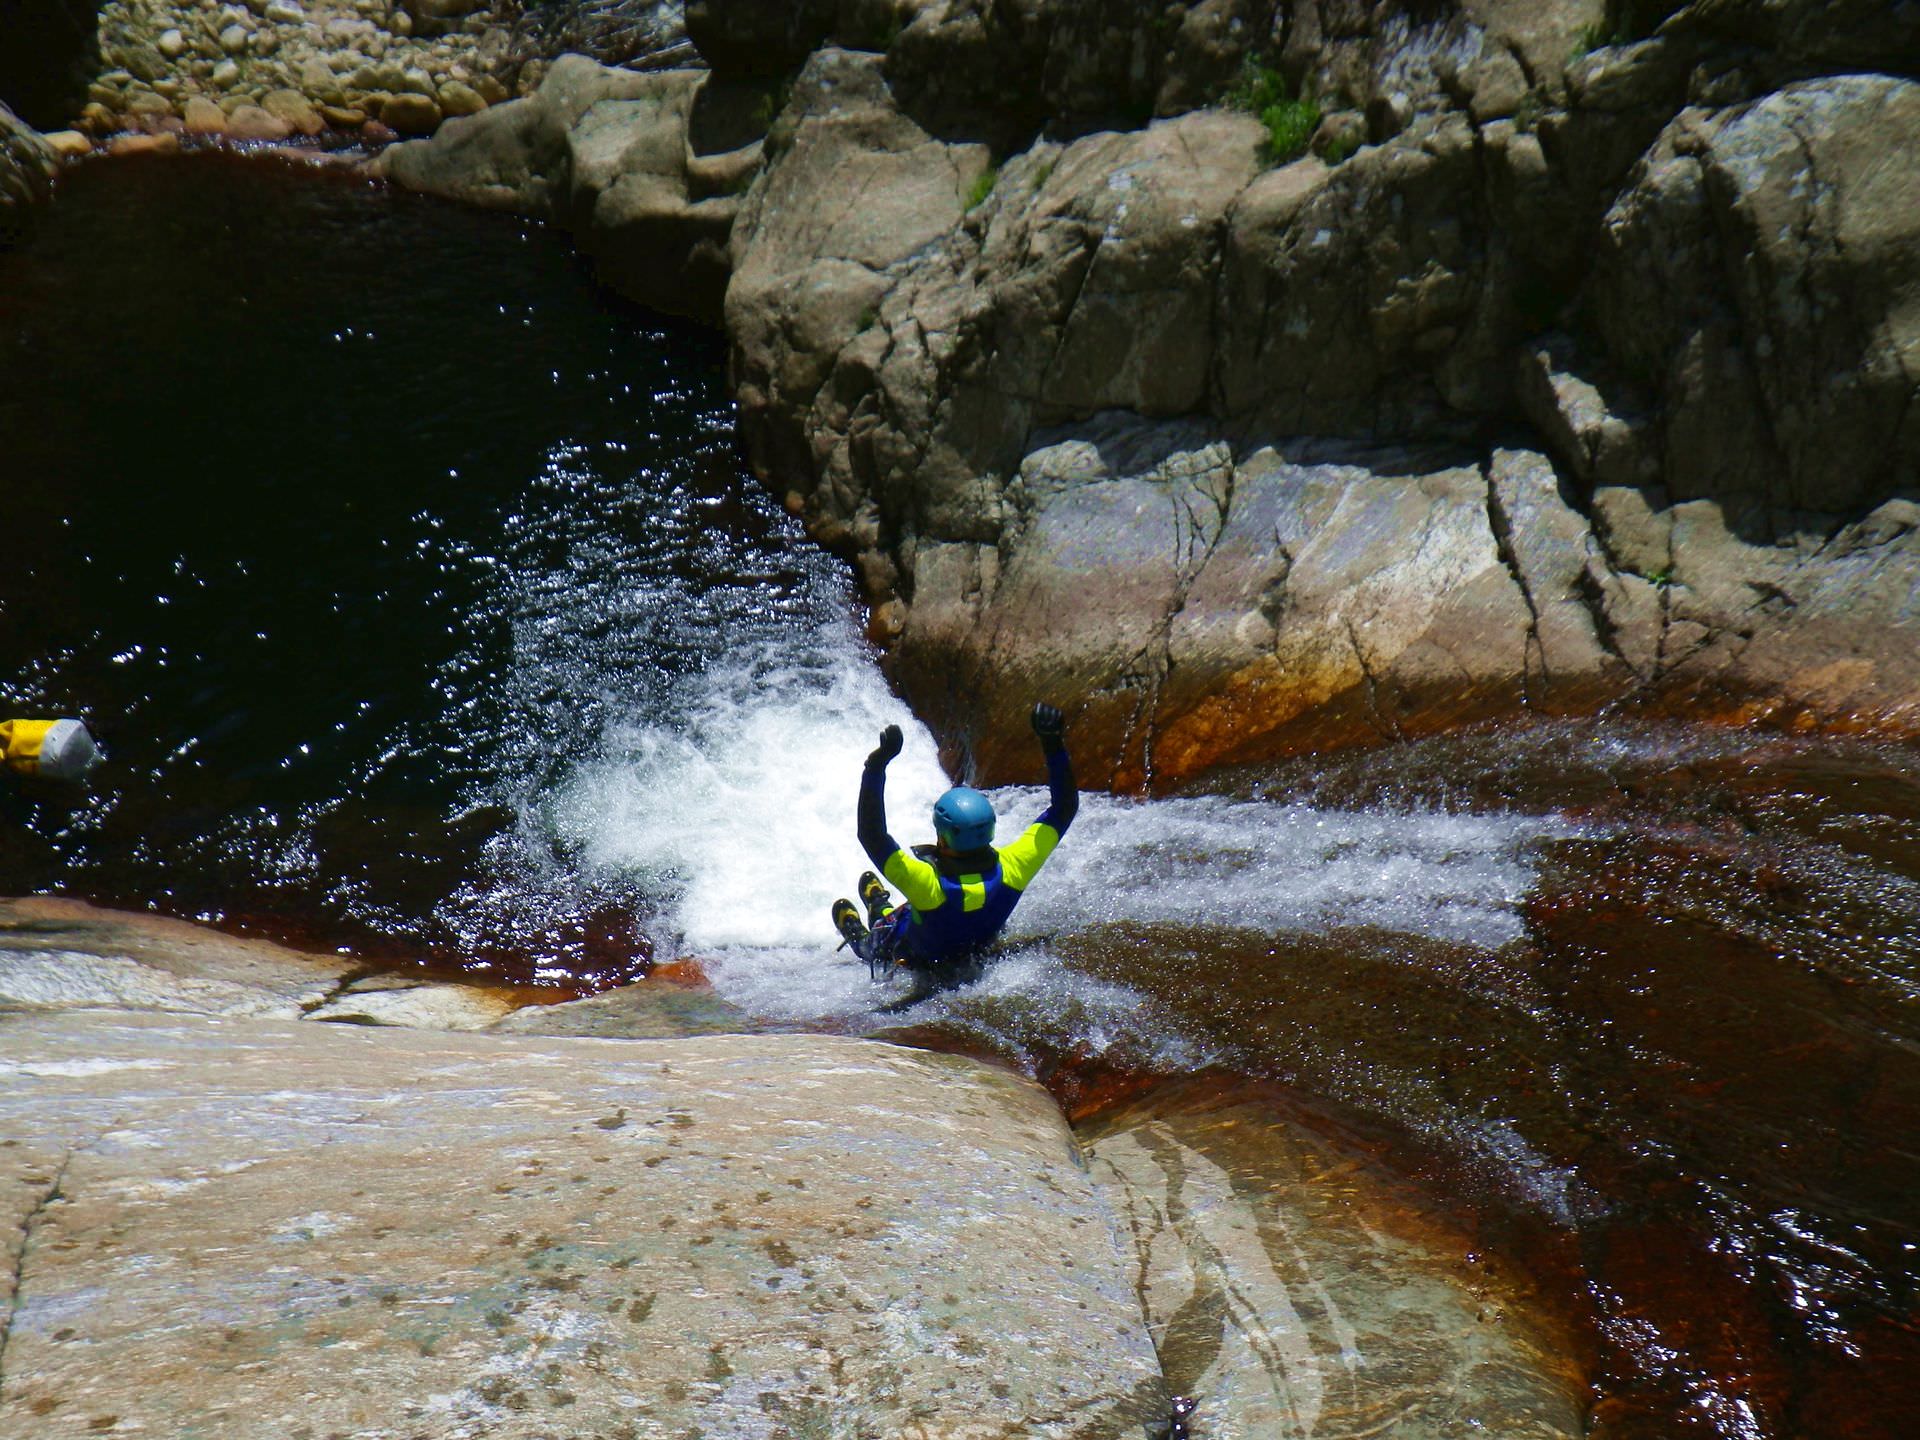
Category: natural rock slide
<point>221,1221</point>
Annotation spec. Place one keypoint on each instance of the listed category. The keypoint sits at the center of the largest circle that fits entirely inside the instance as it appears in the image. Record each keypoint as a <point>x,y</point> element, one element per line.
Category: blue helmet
<point>963,818</point>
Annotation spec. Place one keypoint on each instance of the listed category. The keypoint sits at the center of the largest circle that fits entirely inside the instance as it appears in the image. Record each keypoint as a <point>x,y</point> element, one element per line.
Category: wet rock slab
<point>1292,1295</point>
<point>229,1227</point>
<point>66,954</point>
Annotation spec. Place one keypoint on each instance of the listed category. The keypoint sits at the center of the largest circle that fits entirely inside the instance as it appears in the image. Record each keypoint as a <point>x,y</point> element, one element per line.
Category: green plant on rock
<point>982,187</point>
<point>1257,88</point>
<point>1290,126</point>
<point>1290,121</point>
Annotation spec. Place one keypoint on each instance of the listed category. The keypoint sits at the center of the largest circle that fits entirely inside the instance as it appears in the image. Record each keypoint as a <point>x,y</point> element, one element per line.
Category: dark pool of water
<point>343,515</point>
<point>357,524</point>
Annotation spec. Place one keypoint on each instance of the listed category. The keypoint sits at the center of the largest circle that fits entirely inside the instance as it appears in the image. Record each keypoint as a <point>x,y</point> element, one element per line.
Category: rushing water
<point>425,611</point>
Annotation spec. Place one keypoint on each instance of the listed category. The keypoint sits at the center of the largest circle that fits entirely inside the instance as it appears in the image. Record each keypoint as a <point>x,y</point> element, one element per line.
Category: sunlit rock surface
<point>1292,1295</point>
<point>60,954</point>
<point>65,954</point>
<point>622,159</point>
<point>653,1009</point>
<point>231,1228</point>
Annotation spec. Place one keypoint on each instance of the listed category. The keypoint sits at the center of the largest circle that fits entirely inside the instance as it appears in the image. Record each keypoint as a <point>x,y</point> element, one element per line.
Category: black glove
<point>1050,726</point>
<point>890,742</point>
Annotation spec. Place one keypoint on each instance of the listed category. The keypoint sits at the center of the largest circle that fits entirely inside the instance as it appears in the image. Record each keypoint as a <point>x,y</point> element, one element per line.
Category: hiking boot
<point>875,896</point>
<point>846,919</point>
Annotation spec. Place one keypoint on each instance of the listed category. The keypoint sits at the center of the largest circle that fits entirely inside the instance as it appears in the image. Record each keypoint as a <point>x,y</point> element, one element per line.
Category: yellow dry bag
<point>47,749</point>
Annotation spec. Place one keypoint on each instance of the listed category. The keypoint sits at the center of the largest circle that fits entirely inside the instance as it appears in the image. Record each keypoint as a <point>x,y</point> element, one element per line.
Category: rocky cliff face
<point>1572,363</point>
<point>1591,378</point>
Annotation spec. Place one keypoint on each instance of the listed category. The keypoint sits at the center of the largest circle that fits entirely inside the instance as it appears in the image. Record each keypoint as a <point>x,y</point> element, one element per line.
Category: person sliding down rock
<point>961,890</point>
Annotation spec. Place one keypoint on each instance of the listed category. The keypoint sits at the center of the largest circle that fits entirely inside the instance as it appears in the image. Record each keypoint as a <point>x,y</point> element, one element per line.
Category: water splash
<point>735,814</point>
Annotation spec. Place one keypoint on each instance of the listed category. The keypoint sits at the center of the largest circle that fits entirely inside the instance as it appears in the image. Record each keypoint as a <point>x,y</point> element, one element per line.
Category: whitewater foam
<point>737,817</point>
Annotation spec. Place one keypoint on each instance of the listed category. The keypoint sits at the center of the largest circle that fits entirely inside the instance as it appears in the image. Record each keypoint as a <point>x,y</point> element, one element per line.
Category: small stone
<point>491,90</point>
<point>374,133</point>
<point>205,118</point>
<point>265,42</point>
<point>415,80</point>
<point>252,122</point>
<point>233,39</point>
<point>172,44</point>
<point>400,23</point>
<point>410,114</point>
<point>69,144</point>
<point>292,107</point>
<point>145,102</point>
<point>343,117</point>
<point>97,119</point>
<point>316,80</point>
<point>226,75</point>
<point>458,99</point>
<point>380,77</point>
<point>285,12</point>
<point>165,144</point>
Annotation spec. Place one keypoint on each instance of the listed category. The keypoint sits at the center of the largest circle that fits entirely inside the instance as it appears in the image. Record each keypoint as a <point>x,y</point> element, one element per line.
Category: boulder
<point>1758,277</point>
<point>1368,299</point>
<point>1290,1291</point>
<point>607,153</point>
<point>1206,603</point>
<point>512,156</point>
<point>232,1227</point>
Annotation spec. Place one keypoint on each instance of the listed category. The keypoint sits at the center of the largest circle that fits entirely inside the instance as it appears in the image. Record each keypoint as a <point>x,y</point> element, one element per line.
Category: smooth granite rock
<point>230,1228</point>
<point>66,954</point>
<point>608,153</point>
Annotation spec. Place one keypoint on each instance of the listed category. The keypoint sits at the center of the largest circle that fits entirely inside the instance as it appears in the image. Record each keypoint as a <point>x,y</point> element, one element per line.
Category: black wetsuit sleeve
<point>1063,796</point>
<point>871,818</point>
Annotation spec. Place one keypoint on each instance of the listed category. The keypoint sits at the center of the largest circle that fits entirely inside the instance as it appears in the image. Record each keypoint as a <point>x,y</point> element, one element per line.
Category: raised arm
<point>912,876</point>
<point>1063,796</point>
<point>1021,861</point>
<point>871,817</point>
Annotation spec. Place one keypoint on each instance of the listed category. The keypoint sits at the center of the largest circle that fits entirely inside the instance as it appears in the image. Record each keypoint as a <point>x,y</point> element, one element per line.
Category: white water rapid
<point>737,814</point>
